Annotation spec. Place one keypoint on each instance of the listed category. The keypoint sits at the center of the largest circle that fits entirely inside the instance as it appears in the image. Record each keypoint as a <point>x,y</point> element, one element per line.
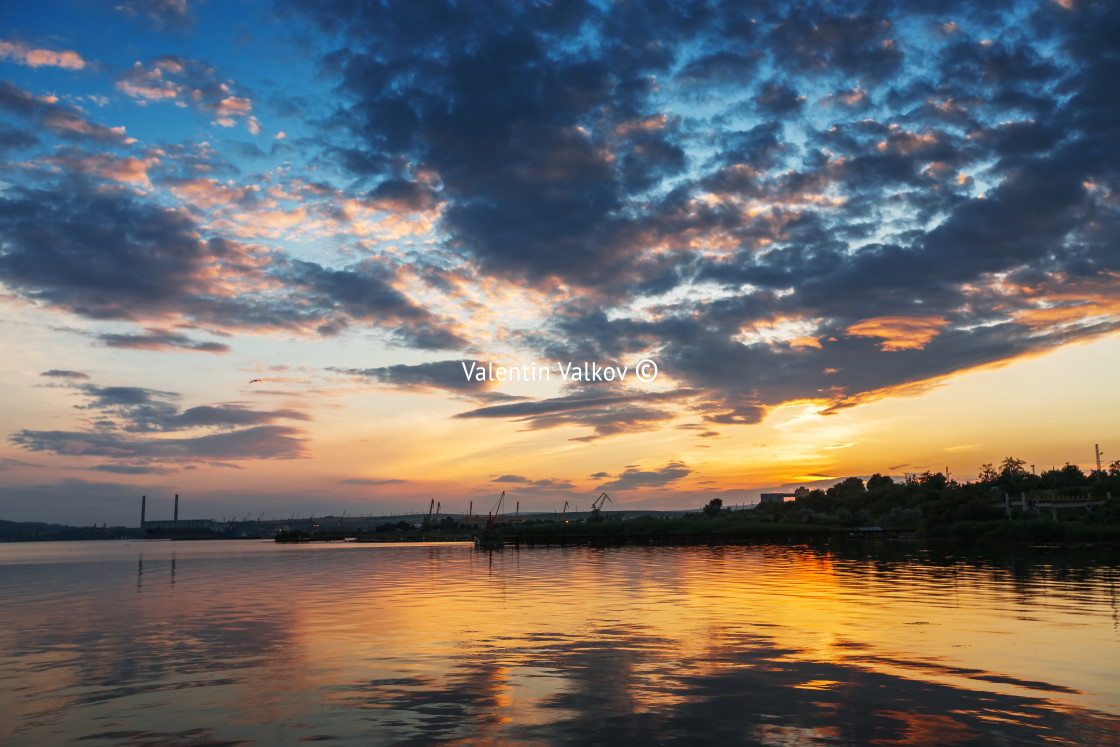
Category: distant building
<point>775,497</point>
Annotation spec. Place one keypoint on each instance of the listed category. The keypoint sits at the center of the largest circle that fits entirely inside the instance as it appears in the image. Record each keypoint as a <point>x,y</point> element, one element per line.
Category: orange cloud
<point>273,219</point>
<point>900,332</point>
<point>1070,310</point>
<point>21,54</point>
<point>210,192</point>
<point>233,106</point>
<point>649,124</point>
<point>188,82</point>
<point>107,166</point>
<point>906,142</point>
<point>797,332</point>
<point>66,123</point>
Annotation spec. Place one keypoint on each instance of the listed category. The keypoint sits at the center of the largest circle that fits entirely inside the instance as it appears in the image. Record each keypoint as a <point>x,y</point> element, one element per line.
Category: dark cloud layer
<point>887,207</point>
<point>109,256</point>
<point>160,339</point>
<point>524,486</point>
<point>446,375</point>
<point>47,113</point>
<point>61,374</point>
<point>140,410</point>
<point>826,202</point>
<point>126,420</point>
<point>261,442</point>
<point>637,478</point>
<point>605,412</point>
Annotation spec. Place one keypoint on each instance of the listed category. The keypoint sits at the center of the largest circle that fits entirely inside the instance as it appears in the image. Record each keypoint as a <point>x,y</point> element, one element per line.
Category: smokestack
<point>143,508</point>
<point>176,507</point>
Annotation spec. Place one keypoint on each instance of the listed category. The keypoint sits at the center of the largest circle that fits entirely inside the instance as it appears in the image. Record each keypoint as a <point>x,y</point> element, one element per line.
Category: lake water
<point>247,642</point>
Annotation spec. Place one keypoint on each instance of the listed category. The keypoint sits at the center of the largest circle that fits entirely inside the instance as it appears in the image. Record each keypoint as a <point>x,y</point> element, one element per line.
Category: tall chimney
<point>143,508</point>
<point>176,507</point>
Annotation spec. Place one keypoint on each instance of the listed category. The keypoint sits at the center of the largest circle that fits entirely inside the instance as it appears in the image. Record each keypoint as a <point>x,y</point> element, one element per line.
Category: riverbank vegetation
<point>1009,503</point>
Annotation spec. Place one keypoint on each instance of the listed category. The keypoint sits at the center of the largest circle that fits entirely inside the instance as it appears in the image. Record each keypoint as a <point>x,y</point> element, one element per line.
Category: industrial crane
<point>564,511</point>
<point>494,514</point>
<point>599,502</point>
<point>490,540</point>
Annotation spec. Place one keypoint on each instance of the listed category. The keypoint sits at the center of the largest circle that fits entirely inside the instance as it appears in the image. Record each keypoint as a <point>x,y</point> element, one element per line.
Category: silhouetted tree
<point>815,499</point>
<point>934,480</point>
<point>714,507</point>
<point>877,481</point>
<point>1072,475</point>
<point>1012,469</point>
<point>847,488</point>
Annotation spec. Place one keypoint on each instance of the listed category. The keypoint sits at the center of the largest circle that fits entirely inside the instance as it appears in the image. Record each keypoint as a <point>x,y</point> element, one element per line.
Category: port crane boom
<point>494,514</point>
<point>597,506</point>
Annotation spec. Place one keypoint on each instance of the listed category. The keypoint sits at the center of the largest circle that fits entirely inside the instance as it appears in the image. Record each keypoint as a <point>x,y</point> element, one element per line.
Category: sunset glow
<point>251,254</point>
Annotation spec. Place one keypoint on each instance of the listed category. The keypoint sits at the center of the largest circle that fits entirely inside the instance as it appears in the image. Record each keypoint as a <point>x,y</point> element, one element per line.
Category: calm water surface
<point>245,642</point>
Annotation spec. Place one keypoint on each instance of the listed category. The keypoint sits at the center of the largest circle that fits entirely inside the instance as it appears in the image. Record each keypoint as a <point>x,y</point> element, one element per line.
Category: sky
<point>282,257</point>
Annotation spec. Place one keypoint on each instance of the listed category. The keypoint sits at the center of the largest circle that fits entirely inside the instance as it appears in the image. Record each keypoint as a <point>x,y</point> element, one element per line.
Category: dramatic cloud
<point>129,420</point>
<point>111,256</point>
<point>931,218</point>
<point>101,256</point>
<point>820,203</point>
<point>136,409</point>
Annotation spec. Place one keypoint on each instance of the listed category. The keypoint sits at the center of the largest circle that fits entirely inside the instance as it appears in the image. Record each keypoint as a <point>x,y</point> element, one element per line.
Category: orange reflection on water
<point>426,643</point>
<point>925,729</point>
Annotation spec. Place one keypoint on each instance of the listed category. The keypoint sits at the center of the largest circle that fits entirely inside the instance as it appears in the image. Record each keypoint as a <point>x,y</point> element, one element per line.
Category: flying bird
<point>254,381</point>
